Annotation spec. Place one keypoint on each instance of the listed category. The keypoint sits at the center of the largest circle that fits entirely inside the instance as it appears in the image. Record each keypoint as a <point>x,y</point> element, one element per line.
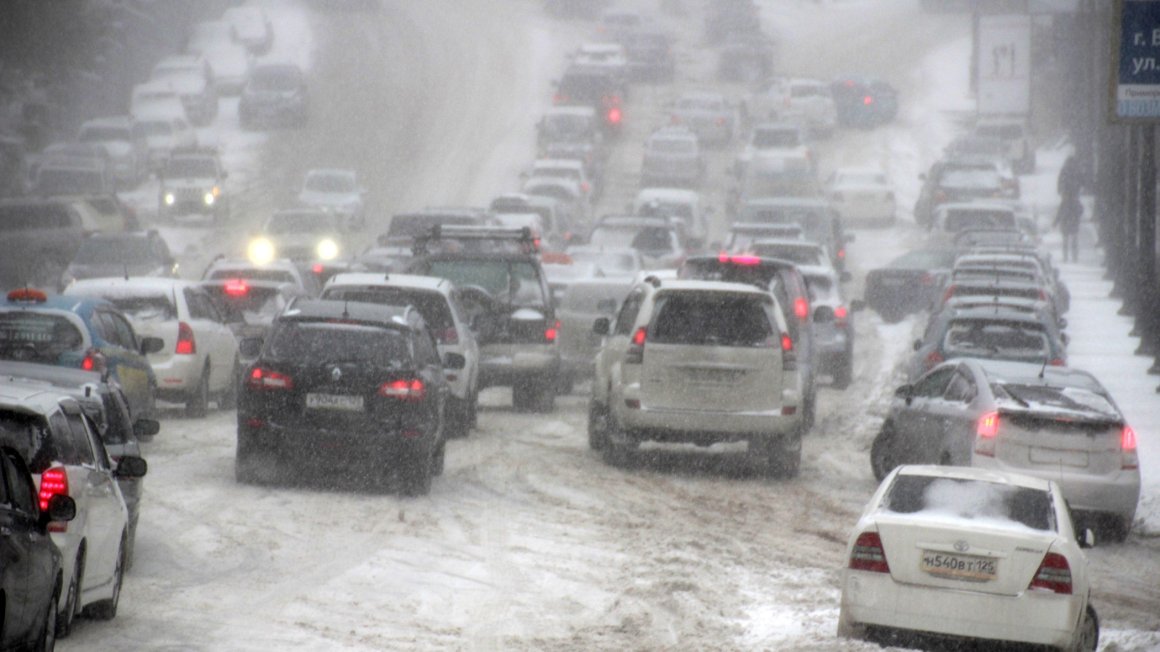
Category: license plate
<point>958,567</point>
<point>334,402</point>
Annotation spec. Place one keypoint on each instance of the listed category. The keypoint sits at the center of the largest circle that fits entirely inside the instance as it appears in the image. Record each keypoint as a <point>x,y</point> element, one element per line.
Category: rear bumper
<point>876,600</point>
<point>1109,493</point>
<point>176,376</point>
<point>504,365</point>
<point>334,447</point>
<point>704,424</point>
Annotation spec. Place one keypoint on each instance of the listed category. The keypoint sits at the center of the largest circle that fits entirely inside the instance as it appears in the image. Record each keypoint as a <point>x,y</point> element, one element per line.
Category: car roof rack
<point>522,235</point>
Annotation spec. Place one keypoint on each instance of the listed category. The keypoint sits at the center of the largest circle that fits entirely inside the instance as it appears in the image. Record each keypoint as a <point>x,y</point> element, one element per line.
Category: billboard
<point>1003,64</point>
<point>1136,61</point>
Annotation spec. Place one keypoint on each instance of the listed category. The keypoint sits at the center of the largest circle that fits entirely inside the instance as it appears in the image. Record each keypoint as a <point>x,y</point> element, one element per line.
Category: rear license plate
<point>714,375</point>
<point>334,402</point>
<point>958,567</point>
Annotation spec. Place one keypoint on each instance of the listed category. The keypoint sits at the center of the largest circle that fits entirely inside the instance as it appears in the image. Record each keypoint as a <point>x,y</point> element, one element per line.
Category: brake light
<point>408,390</point>
<point>868,100</point>
<point>842,254</point>
<point>986,430</point>
<point>1054,574</point>
<point>675,119</point>
<point>635,353</point>
<point>236,287</point>
<point>1128,457</point>
<point>552,332</point>
<point>448,335</point>
<point>266,379</point>
<point>788,355</point>
<point>186,345</point>
<point>53,482</point>
<point>868,554</point>
<point>747,261</point>
<point>559,98</point>
<point>94,360</point>
<point>933,358</point>
<point>614,115</point>
<point>840,314</point>
<point>801,308</point>
<point>585,187</point>
<point>1057,362</point>
<point>316,268</point>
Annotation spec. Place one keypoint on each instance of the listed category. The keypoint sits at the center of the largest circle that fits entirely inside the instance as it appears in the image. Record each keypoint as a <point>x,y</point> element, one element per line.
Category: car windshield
<point>981,338</point>
<point>711,318</point>
<point>105,134</point>
<point>329,341</point>
<point>321,182</point>
<point>145,308</point>
<point>29,434</point>
<point>970,178</point>
<point>960,220</point>
<point>69,181</point>
<point>814,224</point>
<point>972,500</point>
<point>111,251</point>
<point>516,283</point>
<point>431,305</point>
<point>649,240</point>
<point>37,336</point>
<point>186,167</point>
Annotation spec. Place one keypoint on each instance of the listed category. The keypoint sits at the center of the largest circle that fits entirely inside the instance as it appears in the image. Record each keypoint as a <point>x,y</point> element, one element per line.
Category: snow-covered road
<point>528,541</point>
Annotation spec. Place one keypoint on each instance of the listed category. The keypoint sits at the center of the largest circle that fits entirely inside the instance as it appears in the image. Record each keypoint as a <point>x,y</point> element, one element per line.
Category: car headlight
<point>327,249</point>
<point>260,251</point>
<point>209,198</point>
<point>170,199</point>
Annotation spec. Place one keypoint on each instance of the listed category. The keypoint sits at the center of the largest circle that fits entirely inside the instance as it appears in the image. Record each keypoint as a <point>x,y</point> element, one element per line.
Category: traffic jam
<point>574,324</point>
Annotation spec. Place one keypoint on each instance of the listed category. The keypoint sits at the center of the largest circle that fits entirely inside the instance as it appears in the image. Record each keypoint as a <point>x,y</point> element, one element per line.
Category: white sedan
<point>963,553</point>
<point>862,196</point>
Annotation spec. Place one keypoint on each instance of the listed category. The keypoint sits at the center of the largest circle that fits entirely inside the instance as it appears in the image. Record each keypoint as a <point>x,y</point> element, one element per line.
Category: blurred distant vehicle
<point>192,77</point>
<point>73,177</point>
<point>650,56</point>
<point>40,237</point>
<point>276,94</point>
<point>908,284</point>
<point>249,306</point>
<point>952,218</point>
<point>574,8</point>
<point>586,300</point>
<point>774,139</point>
<point>141,253</point>
<point>565,168</point>
<point>404,227</point>
<point>556,219</point>
<point>726,17</point>
<point>672,156</point>
<point>833,336</point>
<point>604,56</point>
<point>681,203</point>
<point>193,182</point>
<point>992,333</point>
<point>104,213</point>
<point>570,195</point>
<point>73,155</point>
<point>862,195</point>
<point>610,261</point>
<point>864,102</point>
<point>127,153</point>
<point>818,220</point>
<point>707,114</point>
<point>208,34</point>
<point>158,96</point>
<point>808,256</point>
<point>182,64</point>
<point>572,132</point>
<point>958,181</point>
<point>803,101</point>
<point>336,190</point>
<point>230,61</point>
<point>775,174</point>
<point>303,234</point>
<point>618,24</point>
<point>199,360</point>
<point>596,88</point>
<point>745,57</point>
<point>251,27</point>
<point>1015,135</point>
<point>163,133</point>
<point>535,226</point>
<point>661,241</point>
<point>272,269</point>
<point>13,167</point>
<point>742,237</point>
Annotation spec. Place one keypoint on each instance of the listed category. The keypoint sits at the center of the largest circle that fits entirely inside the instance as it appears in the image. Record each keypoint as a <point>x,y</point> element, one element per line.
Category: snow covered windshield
<point>973,500</point>
<point>320,341</point>
<point>977,338</point>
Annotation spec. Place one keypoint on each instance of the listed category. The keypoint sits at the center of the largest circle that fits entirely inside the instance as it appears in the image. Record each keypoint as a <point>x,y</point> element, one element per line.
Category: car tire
<point>618,454</point>
<point>597,426</point>
<point>523,395</point>
<point>416,474</point>
<point>130,543</point>
<point>809,410</point>
<point>1087,638</point>
<point>66,618</point>
<point>1113,528</point>
<point>545,400</point>
<point>844,374</point>
<point>881,460</point>
<point>783,454</point>
<point>107,609</point>
<point>46,642</point>
<point>458,417</point>
<point>228,399</point>
<point>565,383</point>
<point>438,461</point>
<point>252,465</point>
<point>197,403</point>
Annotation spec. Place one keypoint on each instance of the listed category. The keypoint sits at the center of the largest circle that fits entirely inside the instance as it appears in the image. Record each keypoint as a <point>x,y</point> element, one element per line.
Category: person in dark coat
<point>1069,184</point>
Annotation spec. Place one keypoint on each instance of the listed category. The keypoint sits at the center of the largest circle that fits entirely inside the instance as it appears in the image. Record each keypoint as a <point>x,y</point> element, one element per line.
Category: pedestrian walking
<point>1070,211</point>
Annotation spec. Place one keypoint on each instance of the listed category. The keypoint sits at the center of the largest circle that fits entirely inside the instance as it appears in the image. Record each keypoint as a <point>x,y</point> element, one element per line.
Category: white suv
<point>437,301</point>
<point>697,362</point>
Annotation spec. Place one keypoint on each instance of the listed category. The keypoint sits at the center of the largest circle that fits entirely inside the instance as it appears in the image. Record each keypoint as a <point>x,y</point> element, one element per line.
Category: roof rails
<point>522,235</point>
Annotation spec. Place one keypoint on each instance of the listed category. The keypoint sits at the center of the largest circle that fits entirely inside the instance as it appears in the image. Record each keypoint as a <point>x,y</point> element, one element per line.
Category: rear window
<point>650,240</point>
<point>973,500</point>
<point>413,225</point>
<point>323,341</point>
<point>431,305</point>
<point>145,308</point>
<point>252,305</point>
<point>276,275</point>
<point>191,168</point>
<point>515,283</point>
<point>970,178</point>
<point>672,145</point>
<point>1069,399</point>
<point>996,339</point>
<point>715,319</point>
<point>36,336</point>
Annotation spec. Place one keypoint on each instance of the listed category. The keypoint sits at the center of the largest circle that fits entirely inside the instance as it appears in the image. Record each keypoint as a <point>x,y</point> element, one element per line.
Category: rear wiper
<point>1015,396</point>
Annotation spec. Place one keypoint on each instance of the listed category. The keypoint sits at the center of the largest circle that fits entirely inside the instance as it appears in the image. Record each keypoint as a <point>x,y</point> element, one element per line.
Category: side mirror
<point>858,305</point>
<point>917,345</point>
<point>602,326</point>
<point>1062,323</point>
<point>146,427</point>
<point>61,508</point>
<point>250,347</point>
<point>845,276</point>
<point>151,345</point>
<point>131,466</point>
<point>454,361</point>
<point>1086,539</point>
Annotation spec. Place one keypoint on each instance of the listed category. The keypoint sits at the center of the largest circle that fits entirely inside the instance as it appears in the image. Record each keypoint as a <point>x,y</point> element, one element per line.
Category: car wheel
<point>845,372</point>
<point>1087,639</point>
<point>597,426</point>
<point>416,474</point>
<point>228,399</point>
<point>523,395</point>
<point>65,618</point>
<point>197,404</point>
<point>882,460</point>
<point>46,642</point>
<point>616,451</point>
<point>783,455</point>
<point>458,417</point>
<point>254,465</point>
<point>809,410</point>
<point>565,383</point>
<point>438,461</point>
<point>1113,528</point>
<point>107,609</point>
<point>545,396</point>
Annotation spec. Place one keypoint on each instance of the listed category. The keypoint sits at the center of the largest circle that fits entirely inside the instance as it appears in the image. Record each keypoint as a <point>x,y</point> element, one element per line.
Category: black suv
<point>595,87</point>
<point>503,289</point>
<point>338,384</point>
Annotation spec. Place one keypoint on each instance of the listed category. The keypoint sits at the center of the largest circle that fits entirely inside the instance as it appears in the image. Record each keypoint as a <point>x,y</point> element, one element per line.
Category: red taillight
<point>986,430</point>
<point>266,379</point>
<point>746,261</point>
<point>53,482</point>
<point>448,335</point>
<point>1058,362</point>
<point>236,287</point>
<point>951,289</point>
<point>788,355</point>
<point>614,115</point>
<point>639,336</point>
<point>87,364</point>
<point>786,343</point>
<point>552,332</point>
<point>801,308</point>
<point>316,268</point>
<point>1054,574</point>
<point>868,554</point>
<point>186,345</point>
<point>411,390</point>
<point>94,360</point>
<point>933,358</point>
<point>840,314</point>
<point>559,98</point>
<point>585,187</point>
<point>1128,457</point>
<point>868,100</point>
<point>842,254</point>
<point>635,353</point>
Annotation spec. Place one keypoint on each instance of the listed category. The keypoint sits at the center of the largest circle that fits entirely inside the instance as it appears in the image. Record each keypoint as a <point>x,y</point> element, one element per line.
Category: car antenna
<point>1043,369</point>
<point>345,312</point>
<point>126,271</point>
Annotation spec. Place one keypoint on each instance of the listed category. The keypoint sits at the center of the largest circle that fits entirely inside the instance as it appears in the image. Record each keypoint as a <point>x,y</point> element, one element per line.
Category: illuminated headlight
<point>260,251</point>
<point>170,199</point>
<point>327,249</point>
<point>209,199</point>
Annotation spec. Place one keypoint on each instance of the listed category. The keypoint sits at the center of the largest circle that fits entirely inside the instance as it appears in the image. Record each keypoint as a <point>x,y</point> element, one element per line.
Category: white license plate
<point>970,568</point>
<point>334,402</point>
